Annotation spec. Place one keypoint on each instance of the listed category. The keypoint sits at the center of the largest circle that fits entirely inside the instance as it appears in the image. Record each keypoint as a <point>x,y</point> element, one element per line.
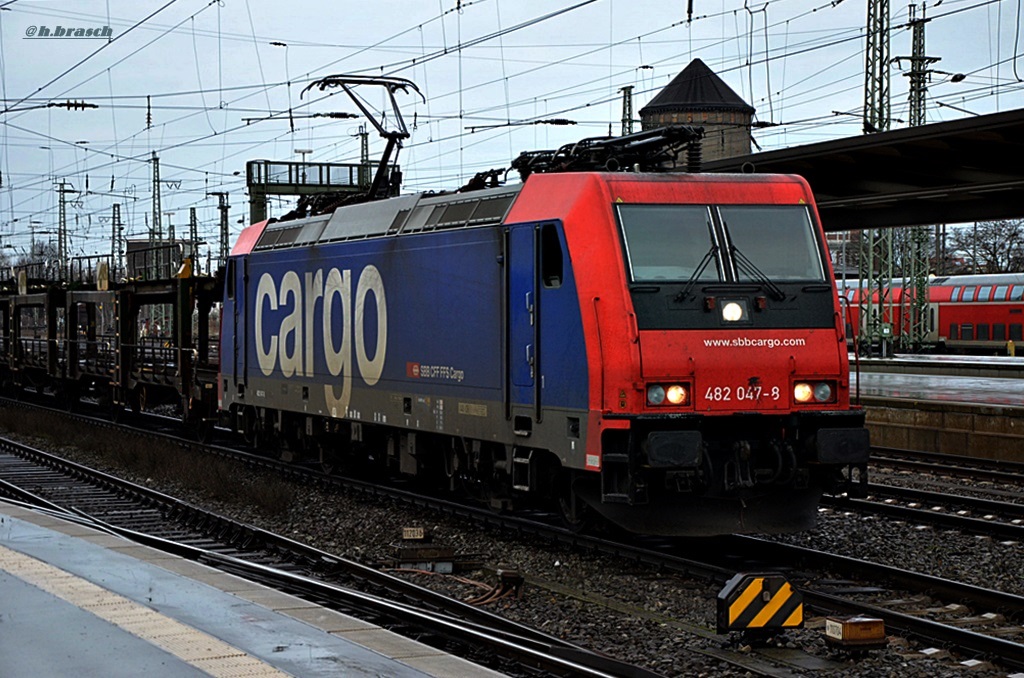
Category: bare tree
<point>991,246</point>
<point>902,249</point>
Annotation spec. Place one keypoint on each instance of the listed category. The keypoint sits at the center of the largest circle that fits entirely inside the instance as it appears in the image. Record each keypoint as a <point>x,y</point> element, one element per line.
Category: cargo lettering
<point>291,346</point>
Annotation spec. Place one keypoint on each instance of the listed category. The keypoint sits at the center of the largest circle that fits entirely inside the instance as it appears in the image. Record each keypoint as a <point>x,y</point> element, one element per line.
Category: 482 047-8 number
<point>729,393</point>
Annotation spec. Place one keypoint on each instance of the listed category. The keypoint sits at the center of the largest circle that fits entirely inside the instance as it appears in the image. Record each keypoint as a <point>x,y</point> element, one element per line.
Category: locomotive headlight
<point>732,312</point>
<point>735,311</point>
<point>677,395</point>
<point>813,392</point>
<point>668,394</point>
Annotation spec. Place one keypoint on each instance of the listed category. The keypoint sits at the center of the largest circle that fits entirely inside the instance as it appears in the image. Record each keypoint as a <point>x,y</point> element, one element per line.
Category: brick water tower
<point>700,98</point>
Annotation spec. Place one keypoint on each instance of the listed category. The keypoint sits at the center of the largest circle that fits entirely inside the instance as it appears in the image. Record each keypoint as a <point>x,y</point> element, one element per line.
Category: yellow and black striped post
<point>752,602</point>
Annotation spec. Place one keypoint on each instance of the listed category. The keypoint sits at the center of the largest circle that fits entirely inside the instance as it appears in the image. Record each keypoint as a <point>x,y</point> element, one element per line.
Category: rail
<point>236,547</point>
<point>720,558</point>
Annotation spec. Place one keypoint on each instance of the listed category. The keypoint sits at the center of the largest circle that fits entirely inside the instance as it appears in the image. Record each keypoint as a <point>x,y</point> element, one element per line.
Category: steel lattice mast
<point>223,207</point>
<point>875,262</point>
<point>627,109</point>
<point>115,241</point>
<point>916,260</point>
<point>63,252</point>
<point>193,239</point>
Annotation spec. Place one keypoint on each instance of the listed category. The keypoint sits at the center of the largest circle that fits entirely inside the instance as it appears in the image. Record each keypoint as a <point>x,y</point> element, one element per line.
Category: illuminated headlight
<point>807,392</point>
<point>677,395</point>
<point>735,311</point>
<point>732,312</point>
<point>673,394</point>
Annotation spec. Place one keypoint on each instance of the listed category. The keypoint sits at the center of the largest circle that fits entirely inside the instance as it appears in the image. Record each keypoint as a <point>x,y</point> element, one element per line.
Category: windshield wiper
<point>697,273</point>
<point>747,267</point>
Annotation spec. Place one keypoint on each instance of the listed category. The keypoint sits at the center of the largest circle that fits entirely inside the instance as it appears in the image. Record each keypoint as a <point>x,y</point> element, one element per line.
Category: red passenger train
<point>975,314</point>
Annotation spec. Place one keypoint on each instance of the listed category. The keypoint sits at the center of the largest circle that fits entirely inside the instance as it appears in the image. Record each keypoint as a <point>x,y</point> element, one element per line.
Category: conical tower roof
<point>697,88</point>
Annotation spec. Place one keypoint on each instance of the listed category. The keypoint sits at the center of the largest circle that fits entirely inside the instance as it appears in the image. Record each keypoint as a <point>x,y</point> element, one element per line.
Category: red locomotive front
<point>718,371</point>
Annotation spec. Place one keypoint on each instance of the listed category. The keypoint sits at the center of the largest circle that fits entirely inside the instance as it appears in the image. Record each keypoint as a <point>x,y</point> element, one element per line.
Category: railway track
<point>972,495</point>
<point>974,515</point>
<point>993,470</point>
<point>75,492</point>
<point>978,620</point>
<point>864,588</point>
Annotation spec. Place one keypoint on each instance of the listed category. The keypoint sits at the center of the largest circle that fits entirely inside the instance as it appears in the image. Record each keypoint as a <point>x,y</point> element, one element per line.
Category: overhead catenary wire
<point>463,46</point>
<point>74,67</point>
<point>232,137</point>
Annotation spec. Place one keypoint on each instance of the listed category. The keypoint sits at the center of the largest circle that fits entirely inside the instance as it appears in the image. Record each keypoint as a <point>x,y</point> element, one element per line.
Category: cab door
<point>233,351</point>
<point>523,312</point>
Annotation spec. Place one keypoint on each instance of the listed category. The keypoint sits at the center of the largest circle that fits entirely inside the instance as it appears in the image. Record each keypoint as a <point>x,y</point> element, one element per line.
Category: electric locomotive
<point>664,350</point>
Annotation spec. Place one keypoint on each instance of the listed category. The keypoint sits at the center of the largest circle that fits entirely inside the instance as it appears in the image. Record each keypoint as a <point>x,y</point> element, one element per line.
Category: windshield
<point>667,242</point>
<point>779,240</point>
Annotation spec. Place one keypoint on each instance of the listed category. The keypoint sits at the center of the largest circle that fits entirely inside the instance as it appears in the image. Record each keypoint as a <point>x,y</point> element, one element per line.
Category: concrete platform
<point>941,388</point>
<point>998,367</point>
<point>971,416</point>
<point>76,602</point>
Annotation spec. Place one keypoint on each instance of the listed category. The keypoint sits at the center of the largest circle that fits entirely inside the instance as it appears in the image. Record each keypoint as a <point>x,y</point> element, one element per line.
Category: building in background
<point>700,98</point>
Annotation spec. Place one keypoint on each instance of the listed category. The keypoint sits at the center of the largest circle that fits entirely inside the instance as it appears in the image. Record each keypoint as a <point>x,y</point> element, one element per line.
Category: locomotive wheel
<point>576,515</point>
<point>249,423</point>
<point>286,452</point>
<point>261,438</point>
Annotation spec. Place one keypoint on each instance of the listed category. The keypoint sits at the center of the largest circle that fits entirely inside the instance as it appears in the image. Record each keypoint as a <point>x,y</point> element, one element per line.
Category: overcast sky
<point>204,85</point>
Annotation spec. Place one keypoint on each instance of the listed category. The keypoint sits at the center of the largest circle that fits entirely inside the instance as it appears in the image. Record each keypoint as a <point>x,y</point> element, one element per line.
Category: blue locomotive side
<point>467,332</point>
